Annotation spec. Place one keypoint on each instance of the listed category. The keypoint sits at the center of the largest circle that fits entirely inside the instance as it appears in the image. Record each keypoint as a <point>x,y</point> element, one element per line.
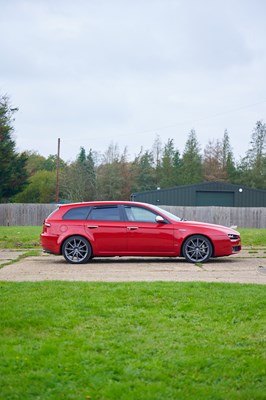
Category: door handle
<point>92,226</point>
<point>132,228</point>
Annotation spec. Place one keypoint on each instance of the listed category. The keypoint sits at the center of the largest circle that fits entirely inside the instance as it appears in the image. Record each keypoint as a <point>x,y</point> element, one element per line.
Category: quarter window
<point>77,213</point>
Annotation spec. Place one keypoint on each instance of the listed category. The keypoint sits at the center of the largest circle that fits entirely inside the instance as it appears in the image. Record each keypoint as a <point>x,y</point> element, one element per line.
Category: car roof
<point>94,203</point>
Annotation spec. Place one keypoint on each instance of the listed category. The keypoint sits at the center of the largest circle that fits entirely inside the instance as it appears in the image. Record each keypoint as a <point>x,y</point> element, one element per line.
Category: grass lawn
<point>141,341</point>
<point>16,237</point>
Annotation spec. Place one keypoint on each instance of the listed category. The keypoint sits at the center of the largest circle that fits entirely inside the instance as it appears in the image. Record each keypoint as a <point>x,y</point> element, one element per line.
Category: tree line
<point>31,178</point>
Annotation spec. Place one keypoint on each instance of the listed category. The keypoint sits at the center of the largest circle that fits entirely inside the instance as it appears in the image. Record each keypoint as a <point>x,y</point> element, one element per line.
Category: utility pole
<point>57,171</point>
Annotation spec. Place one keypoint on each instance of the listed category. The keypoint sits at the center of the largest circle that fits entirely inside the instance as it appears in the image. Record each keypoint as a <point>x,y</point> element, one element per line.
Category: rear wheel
<point>197,248</point>
<point>76,250</point>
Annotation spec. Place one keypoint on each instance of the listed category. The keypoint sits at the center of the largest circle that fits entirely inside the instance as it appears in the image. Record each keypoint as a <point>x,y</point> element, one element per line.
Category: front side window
<point>104,214</point>
<point>140,214</point>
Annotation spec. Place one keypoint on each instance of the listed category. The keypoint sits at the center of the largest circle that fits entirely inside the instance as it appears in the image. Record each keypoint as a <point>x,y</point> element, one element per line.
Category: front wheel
<point>197,249</point>
<point>76,250</point>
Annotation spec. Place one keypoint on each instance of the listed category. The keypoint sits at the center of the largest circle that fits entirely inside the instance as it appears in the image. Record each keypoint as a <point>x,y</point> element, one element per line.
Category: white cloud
<point>92,72</point>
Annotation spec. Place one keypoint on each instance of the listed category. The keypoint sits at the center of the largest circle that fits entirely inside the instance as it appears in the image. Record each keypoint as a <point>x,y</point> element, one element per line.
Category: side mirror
<point>159,219</point>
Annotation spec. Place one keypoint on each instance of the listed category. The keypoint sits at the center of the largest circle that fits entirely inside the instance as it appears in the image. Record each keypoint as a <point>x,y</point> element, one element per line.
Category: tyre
<point>76,250</point>
<point>197,249</point>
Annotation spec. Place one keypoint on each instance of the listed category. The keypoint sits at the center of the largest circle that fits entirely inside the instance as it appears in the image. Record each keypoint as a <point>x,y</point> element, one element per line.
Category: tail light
<point>45,226</point>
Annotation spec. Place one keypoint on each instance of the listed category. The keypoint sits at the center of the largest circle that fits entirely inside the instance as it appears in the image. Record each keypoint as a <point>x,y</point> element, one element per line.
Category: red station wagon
<point>82,231</point>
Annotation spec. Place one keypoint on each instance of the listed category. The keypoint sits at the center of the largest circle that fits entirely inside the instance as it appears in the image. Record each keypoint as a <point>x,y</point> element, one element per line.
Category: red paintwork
<point>112,238</point>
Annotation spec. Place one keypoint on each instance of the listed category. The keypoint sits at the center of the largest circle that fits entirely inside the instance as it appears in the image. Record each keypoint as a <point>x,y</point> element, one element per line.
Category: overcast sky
<point>94,72</point>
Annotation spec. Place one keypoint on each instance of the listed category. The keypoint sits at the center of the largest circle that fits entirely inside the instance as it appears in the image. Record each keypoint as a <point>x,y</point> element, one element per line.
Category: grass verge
<point>147,341</point>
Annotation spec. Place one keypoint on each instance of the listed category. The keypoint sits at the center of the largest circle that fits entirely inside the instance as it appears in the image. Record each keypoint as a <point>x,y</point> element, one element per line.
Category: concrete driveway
<point>247,267</point>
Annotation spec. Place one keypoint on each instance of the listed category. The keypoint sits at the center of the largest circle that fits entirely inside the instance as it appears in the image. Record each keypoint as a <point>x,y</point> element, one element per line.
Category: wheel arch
<point>197,234</point>
<point>69,236</point>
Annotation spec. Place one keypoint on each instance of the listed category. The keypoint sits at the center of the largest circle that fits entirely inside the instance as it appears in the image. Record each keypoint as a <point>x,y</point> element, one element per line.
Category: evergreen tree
<point>191,165</point>
<point>13,174</point>
<point>228,162</point>
<point>170,164</point>
<point>144,171</point>
<point>177,167</point>
<point>253,166</point>
<point>81,159</point>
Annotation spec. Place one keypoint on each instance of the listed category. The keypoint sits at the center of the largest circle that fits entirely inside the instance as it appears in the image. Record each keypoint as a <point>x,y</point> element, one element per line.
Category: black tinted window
<point>104,214</point>
<point>77,213</point>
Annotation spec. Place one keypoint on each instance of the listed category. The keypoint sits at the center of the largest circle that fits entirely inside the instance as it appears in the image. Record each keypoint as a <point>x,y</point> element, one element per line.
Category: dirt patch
<point>247,268</point>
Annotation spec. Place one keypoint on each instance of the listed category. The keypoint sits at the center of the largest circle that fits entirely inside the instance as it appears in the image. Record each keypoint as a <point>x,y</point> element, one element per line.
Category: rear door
<point>106,230</point>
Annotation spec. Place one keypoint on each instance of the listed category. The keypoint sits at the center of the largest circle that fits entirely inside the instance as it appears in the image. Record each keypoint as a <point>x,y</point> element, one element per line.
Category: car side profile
<point>82,231</point>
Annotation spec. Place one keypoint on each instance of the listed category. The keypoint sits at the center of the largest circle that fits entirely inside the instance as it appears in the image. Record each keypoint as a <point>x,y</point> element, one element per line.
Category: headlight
<point>233,236</point>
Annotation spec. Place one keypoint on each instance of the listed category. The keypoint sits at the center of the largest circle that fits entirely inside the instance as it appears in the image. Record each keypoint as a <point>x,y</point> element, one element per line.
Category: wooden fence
<point>24,214</point>
<point>242,217</point>
<point>248,217</point>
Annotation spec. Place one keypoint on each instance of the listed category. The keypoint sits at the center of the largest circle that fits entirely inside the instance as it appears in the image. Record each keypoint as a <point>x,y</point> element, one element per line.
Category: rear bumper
<point>50,244</point>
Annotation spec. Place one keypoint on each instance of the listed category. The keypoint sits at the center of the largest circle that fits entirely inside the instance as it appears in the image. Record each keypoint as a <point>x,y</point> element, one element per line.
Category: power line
<point>198,120</point>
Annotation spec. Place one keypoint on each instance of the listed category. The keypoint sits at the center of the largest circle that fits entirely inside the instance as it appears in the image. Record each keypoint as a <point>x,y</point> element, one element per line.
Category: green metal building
<point>204,194</point>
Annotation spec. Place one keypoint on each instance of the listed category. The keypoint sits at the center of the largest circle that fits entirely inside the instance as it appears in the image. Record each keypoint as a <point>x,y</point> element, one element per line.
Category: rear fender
<point>62,239</point>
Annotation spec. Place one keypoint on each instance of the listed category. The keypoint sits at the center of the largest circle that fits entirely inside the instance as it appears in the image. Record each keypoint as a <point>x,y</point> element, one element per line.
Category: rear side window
<point>104,214</point>
<point>77,213</point>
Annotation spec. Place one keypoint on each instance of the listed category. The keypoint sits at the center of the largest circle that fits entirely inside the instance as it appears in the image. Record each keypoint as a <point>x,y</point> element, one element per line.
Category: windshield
<point>166,213</point>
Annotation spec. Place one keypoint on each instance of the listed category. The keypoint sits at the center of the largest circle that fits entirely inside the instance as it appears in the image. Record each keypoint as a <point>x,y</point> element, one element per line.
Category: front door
<point>145,236</point>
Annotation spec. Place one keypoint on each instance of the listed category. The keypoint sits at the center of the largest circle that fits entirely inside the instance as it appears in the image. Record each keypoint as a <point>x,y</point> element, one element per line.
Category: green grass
<point>253,237</point>
<point>12,237</point>
<point>144,341</point>
<point>16,237</point>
